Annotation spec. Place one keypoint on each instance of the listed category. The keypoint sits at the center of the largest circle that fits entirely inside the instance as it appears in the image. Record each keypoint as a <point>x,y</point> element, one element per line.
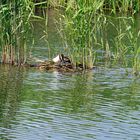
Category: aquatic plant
<point>126,43</point>
<point>85,25</point>
<point>131,6</point>
<point>15,29</point>
<point>78,30</point>
<point>84,28</point>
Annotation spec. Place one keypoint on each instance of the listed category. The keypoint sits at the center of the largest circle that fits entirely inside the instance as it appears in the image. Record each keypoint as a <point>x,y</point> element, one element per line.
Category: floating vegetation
<point>60,63</point>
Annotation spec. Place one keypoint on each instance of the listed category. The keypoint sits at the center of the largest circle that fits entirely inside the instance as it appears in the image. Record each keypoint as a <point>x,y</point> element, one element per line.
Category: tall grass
<point>131,6</point>
<point>78,30</point>
<point>85,27</point>
<point>15,29</point>
<point>125,43</point>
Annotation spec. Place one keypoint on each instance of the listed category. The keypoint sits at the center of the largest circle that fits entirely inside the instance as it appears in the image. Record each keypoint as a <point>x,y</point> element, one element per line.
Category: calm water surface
<point>100,104</point>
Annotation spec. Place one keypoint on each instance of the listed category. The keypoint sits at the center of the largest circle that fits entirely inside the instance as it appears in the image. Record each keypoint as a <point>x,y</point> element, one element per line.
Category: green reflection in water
<point>11,85</point>
<point>65,105</point>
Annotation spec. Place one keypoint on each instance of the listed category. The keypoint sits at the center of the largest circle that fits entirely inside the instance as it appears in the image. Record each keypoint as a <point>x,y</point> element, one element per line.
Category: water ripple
<point>101,104</point>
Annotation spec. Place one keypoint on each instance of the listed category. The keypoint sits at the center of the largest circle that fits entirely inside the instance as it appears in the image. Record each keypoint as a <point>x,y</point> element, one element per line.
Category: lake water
<point>102,104</point>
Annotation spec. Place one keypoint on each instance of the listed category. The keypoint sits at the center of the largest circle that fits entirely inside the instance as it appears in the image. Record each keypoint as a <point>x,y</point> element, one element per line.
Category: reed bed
<point>15,29</point>
<point>131,6</point>
<point>78,30</point>
<point>85,28</point>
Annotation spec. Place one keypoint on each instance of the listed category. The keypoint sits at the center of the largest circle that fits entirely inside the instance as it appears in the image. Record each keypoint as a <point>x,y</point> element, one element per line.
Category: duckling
<point>61,59</point>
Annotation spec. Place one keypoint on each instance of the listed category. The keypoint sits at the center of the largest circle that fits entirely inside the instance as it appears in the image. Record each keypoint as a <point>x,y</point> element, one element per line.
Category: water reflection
<point>100,104</point>
<point>11,82</point>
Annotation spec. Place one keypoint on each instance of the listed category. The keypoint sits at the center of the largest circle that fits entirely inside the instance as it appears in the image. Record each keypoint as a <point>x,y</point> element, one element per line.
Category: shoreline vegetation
<point>83,26</point>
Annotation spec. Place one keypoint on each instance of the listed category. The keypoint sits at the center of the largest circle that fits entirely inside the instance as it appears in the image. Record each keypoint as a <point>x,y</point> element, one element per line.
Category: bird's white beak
<point>56,59</point>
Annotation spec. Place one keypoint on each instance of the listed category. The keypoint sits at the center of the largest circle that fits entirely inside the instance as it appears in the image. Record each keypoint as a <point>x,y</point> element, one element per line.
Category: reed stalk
<point>84,28</point>
<point>136,62</point>
<point>79,27</point>
<point>15,29</point>
<point>127,6</point>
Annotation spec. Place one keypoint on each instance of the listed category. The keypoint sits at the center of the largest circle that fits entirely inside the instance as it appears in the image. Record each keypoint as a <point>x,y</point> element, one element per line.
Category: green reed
<point>78,29</point>
<point>85,27</point>
<point>136,62</point>
<point>111,5</point>
<point>126,42</point>
<point>15,29</point>
<point>130,6</point>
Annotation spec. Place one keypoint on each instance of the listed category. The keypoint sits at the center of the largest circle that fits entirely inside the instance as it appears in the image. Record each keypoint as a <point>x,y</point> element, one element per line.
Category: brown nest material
<point>60,63</point>
<point>52,66</point>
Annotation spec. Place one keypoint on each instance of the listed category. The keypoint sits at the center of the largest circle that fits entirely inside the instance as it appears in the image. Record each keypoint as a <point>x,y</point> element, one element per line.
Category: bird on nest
<point>61,59</point>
